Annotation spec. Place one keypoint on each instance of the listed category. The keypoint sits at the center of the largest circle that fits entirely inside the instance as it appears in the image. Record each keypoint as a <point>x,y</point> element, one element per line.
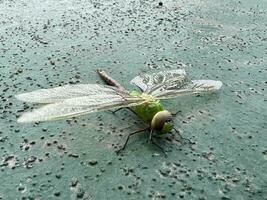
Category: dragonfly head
<point>162,121</point>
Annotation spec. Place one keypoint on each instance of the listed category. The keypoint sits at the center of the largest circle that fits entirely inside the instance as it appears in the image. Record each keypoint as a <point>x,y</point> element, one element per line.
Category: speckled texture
<point>48,43</point>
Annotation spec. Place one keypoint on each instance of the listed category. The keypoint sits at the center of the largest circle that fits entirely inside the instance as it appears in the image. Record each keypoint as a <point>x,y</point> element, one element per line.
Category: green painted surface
<point>48,43</point>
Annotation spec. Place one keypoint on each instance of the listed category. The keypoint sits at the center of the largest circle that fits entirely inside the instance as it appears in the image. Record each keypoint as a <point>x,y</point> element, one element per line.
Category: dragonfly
<point>79,99</point>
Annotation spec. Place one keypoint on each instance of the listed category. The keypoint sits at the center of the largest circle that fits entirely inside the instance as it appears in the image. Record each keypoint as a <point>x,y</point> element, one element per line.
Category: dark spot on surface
<point>225,198</point>
<point>73,155</point>
<point>58,176</point>
<point>80,193</point>
<point>21,188</point>
<point>57,194</point>
<point>92,162</point>
<point>74,182</point>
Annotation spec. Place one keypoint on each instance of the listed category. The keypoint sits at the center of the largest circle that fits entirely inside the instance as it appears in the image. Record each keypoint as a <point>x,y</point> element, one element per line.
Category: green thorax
<point>147,110</point>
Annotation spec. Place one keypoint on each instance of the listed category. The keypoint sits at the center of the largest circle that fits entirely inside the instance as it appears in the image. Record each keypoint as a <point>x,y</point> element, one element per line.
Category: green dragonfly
<point>80,99</point>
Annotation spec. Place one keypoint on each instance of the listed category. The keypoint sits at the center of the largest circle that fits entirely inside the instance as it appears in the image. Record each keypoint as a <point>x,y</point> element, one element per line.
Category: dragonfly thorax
<point>147,97</point>
<point>162,121</point>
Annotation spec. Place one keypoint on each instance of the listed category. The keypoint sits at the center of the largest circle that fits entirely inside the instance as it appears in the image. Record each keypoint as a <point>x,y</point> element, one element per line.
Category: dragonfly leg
<point>114,111</point>
<point>183,138</point>
<point>176,113</point>
<point>154,143</point>
<point>127,139</point>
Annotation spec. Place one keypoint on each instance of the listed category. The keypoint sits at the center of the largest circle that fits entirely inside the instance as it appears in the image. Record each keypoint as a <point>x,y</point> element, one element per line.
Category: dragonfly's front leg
<point>154,143</point>
<point>141,130</point>
<point>183,138</point>
<point>176,113</point>
<point>114,111</point>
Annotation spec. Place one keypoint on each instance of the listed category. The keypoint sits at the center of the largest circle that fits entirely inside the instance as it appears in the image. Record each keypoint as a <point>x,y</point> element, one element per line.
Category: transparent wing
<point>187,88</point>
<point>86,99</point>
<point>59,94</point>
<point>149,82</point>
<point>172,83</point>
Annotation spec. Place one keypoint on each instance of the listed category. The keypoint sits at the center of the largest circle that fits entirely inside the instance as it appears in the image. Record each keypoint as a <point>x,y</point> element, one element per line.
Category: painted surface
<point>49,43</point>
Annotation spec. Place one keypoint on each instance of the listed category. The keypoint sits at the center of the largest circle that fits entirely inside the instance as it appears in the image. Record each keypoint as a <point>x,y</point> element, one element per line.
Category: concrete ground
<point>49,43</point>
